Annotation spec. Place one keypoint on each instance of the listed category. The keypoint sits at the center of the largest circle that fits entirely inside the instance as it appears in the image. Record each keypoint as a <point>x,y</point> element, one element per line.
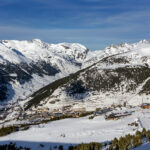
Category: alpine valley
<point>42,82</point>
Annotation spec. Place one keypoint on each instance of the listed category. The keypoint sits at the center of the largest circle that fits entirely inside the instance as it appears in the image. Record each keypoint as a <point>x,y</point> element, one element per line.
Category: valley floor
<point>78,130</point>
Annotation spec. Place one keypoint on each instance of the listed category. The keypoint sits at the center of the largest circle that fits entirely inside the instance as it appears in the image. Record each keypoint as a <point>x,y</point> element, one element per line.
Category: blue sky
<point>94,23</point>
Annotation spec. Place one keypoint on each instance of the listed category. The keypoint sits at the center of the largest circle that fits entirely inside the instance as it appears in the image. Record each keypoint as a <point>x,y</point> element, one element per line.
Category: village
<point>36,116</point>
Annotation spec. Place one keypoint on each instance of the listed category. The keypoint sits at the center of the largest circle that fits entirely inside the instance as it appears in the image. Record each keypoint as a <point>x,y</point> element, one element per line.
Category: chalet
<point>145,105</point>
<point>43,109</point>
<point>66,107</point>
<point>58,114</point>
<point>79,109</point>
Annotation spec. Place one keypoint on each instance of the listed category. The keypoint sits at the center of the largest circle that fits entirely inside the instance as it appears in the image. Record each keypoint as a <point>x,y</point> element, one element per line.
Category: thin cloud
<point>93,39</point>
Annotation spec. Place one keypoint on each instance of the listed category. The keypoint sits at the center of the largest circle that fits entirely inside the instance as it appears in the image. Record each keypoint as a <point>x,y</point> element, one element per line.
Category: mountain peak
<point>144,41</point>
<point>37,40</point>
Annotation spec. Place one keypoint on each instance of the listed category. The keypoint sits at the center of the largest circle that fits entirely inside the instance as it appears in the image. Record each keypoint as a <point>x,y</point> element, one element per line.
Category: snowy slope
<point>36,50</point>
<point>118,77</point>
<point>27,66</point>
<point>75,131</point>
<point>134,51</point>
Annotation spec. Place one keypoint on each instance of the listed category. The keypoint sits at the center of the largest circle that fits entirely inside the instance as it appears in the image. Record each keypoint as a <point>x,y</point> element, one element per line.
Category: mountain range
<point>35,73</point>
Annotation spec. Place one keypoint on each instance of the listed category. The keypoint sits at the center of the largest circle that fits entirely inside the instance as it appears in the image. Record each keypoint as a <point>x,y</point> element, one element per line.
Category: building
<point>43,109</point>
<point>145,105</point>
<point>58,114</point>
<point>79,109</point>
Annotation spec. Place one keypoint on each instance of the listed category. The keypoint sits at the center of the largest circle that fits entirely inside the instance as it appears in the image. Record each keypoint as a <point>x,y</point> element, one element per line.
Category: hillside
<point>27,66</point>
<point>117,79</point>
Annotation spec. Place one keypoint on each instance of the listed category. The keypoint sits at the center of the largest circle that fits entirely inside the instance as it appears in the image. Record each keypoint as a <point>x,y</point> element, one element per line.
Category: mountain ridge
<point>25,63</point>
<point>123,74</point>
<point>33,62</point>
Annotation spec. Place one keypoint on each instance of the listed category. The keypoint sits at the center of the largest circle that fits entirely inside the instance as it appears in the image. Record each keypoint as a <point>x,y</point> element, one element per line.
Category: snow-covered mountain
<point>27,66</point>
<point>113,81</point>
<point>119,75</point>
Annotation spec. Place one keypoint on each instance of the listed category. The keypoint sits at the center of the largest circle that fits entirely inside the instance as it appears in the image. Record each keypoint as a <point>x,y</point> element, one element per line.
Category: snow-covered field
<point>78,130</point>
